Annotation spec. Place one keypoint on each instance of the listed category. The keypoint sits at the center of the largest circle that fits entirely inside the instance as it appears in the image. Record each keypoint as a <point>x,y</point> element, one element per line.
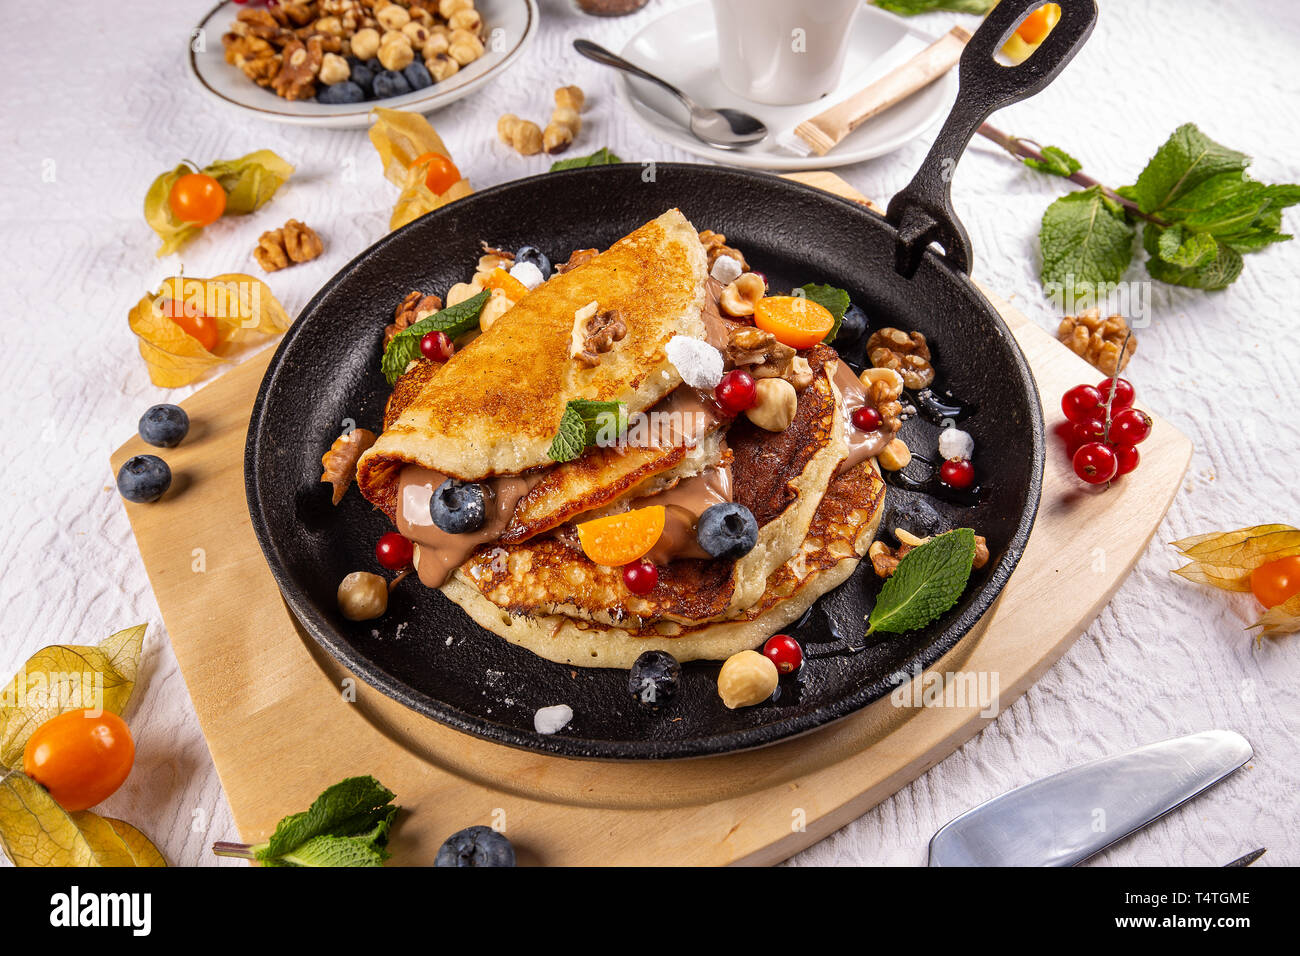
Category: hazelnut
<point>417,34</point>
<point>741,296</point>
<point>467,19</point>
<point>363,596</point>
<point>436,43</point>
<point>746,679</point>
<point>395,52</point>
<point>365,43</point>
<point>440,66</point>
<point>448,7</point>
<point>570,97</point>
<point>334,69</point>
<point>801,373</point>
<point>462,291</point>
<point>497,305</point>
<point>393,17</point>
<point>775,404</point>
<point>895,456</point>
<point>465,47</point>
<point>331,25</point>
<point>893,382</point>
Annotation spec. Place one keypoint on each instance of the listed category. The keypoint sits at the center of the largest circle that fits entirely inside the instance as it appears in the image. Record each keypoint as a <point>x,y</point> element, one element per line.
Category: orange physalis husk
<point>242,307</point>
<point>401,138</point>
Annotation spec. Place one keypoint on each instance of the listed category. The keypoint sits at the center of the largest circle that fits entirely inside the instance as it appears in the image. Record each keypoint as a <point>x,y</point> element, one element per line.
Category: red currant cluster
<point>1103,430</point>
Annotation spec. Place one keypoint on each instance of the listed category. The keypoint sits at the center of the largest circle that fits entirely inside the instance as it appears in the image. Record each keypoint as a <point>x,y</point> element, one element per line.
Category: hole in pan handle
<point>922,212</point>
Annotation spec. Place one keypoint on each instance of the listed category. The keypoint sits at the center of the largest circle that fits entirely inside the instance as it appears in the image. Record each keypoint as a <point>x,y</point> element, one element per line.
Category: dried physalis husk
<point>241,307</point>
<point>1283,619</point>
<point>339,464</point>
<point>401,138</point>
<point>1226,559</point>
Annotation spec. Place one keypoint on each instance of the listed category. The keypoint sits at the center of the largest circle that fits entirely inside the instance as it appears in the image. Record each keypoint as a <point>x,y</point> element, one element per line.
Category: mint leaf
<point>1218,272</point>
<point>582,421</point>
<point>927,582</point>
<point>910,8</point>
<point>333,851</point>
<point>1055,162</point>
<point>350,807</point>
<point>1187,249</point>
<point>1085,241</point>
<point>455,320</point>
<point>1186,160</point>
<point>601,157</point>
<point>835,301</point>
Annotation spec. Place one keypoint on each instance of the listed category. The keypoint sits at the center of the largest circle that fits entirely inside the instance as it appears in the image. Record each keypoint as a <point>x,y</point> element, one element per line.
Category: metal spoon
<point>725,129</point>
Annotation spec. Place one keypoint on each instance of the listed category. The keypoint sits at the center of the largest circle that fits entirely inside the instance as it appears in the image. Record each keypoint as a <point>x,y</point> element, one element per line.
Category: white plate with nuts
<point>296,62</point>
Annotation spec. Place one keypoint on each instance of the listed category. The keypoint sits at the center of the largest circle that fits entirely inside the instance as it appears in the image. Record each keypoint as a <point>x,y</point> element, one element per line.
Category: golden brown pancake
<point>780,477</point>
<point>840,532</point>
<point>495,407</point>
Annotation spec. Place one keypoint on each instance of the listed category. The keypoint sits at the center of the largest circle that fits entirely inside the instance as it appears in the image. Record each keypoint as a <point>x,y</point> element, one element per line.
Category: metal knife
<point>1063,819</point>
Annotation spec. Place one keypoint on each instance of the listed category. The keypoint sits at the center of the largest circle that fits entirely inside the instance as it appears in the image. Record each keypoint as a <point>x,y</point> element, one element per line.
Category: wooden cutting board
<point>283,720</point>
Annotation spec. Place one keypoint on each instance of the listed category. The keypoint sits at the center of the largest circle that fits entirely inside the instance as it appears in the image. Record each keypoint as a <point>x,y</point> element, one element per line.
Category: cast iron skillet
<point>426,653</point>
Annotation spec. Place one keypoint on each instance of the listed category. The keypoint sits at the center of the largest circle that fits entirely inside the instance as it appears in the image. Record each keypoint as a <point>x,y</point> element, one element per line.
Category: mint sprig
<point>601,157</point>
<point>347,825</point>
<point>910,8</point>
<point>1198,210</point>
<point>581,424</point>
<point>835,301</point>
<point>455,320</point>
<point>927,582</point>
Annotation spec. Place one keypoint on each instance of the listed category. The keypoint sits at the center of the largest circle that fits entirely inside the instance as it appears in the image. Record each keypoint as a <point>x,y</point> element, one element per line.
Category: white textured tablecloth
<point>99,102</point>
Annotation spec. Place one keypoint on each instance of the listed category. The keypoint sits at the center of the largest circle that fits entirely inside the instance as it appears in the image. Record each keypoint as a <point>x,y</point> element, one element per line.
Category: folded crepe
<point>495,407</point>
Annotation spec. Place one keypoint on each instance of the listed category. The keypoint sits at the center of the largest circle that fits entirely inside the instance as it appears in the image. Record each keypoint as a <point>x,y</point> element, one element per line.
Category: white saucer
<point>515,19</point>
<point>681,47</point>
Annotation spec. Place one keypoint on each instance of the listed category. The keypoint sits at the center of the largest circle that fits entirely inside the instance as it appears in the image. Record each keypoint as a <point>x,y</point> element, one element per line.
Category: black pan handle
<point>923,212</point>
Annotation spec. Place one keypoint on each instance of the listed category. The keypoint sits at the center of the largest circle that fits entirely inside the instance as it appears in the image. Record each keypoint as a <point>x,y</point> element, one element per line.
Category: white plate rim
<point>358,117</point>
<point>784,161</point>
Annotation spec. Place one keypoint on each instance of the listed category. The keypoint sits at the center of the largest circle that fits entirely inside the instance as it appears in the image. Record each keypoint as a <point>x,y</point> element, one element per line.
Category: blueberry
<point>417,76</point>
<point>654,677</point>
<point>458,507</point>
<point>852,327</point>
<point>536,257</point>
<point>345,92</point>
<point>476,846</point>
<point>143,478</point>
<point>727,530</point>
<point>164,425</point>
<point>363,76</point>
<point>389,84</point>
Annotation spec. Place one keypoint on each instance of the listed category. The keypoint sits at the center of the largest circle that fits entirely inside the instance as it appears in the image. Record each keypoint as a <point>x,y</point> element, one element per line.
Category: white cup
<point>781,51</point>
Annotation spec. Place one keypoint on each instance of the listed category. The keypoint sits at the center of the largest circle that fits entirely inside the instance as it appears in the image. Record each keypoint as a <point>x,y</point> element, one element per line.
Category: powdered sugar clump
<point>955,443</point>
<point>528,274</point>
<point>548,720</point>
<point>698,362</point>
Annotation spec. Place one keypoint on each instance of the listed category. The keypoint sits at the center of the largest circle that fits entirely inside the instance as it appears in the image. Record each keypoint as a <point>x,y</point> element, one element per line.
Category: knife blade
<point>1063,819</point>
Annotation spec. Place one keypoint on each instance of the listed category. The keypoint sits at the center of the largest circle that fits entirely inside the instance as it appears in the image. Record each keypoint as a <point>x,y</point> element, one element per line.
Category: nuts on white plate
<point>365,43</point>
<point>395,52</point>
<point>393,17</point>
<point>741,296</point>
<point>334,69</point>
<point>746,679</point>
<point>775,404</point>
<point>363,596</point>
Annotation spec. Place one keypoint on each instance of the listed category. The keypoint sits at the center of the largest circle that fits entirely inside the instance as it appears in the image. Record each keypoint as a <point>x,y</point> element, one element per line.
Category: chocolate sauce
<point>931,485</point>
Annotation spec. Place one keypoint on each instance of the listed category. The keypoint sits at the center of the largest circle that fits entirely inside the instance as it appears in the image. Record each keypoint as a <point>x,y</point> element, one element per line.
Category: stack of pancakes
<point>494,408</point>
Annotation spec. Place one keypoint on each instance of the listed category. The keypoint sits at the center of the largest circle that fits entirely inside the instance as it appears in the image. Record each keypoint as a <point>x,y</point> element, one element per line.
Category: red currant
<point>1094,429</point>
<point>736,392</point>
<point>784,651</point>
<point>1126,457</point>
<point>640,576</point>
<point>1130,427</point>
<point>866,418</point>
<point>957,473</point>
<point>1124,393</point>
<point>1095,463</point>
<point>436,347</point>
<point>1081,403</point>
<point>394,552</point>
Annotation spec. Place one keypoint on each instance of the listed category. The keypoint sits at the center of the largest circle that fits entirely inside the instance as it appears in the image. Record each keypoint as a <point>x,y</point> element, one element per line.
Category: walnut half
<point>412,309</point>
<point>599,331</point>
<point>908,354</point>
<point>1099,341</point>
<point>292,243</point>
